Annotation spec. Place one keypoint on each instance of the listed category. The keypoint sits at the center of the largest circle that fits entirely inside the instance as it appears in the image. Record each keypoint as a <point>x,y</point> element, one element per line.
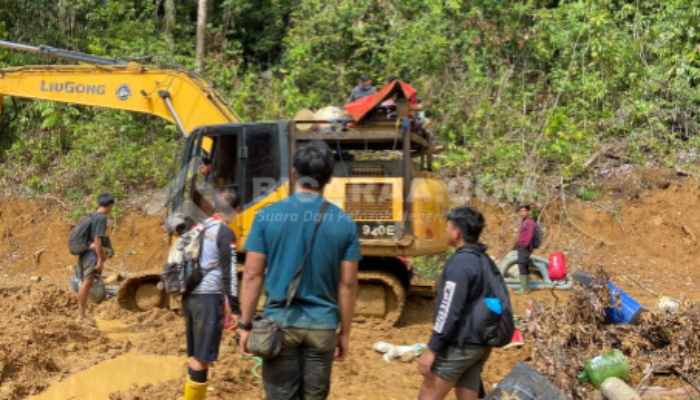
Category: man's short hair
<point>226,201</point>
<point>525,206</point>
<point>206,161</point>
<point>105,200</point>
<point>364,78</point>
<point>469,221</point>
<point>313,163</point>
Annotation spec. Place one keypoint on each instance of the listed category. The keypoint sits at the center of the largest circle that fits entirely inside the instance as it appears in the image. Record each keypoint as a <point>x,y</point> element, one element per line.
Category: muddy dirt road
<point>643,228</point>
<point>49,347</point>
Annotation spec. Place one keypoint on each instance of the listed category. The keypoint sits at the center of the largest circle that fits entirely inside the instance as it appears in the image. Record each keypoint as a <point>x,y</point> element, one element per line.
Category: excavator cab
<point>249,158</point>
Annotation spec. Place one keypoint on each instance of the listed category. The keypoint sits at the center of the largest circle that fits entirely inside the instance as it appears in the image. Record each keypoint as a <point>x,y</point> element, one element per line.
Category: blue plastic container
<point>628,311</point>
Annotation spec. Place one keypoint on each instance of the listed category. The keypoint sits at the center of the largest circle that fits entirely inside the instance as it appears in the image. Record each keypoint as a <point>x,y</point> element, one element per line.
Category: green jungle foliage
<point>515,89</point>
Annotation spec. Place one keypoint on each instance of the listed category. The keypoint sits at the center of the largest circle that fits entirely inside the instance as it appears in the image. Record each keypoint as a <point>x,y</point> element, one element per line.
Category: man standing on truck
<point>455,355</point>
<point>320,315</point>
<point>364,88</point>
<point>525,236</point>
<point>91,263</point>
<point>204,308</point>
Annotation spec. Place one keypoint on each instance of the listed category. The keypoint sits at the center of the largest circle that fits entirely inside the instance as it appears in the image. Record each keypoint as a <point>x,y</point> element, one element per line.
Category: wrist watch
<point>246,327</point>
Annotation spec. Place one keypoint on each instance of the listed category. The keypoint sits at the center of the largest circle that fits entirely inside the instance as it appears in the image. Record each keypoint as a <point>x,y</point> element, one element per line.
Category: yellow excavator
<point>383,177</point>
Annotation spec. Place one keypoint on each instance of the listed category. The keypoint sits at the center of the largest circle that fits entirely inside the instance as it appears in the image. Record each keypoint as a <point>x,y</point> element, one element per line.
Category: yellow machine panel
<point>367,199</point>
<point>242,224</point>
<point>429,208</point>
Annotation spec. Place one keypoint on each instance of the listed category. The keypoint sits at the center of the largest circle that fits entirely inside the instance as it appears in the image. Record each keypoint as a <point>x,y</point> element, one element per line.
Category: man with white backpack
<point>205,305</point>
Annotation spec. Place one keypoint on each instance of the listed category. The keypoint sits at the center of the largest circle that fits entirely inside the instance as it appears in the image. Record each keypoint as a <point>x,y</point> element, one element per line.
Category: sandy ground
<point>649,226</point>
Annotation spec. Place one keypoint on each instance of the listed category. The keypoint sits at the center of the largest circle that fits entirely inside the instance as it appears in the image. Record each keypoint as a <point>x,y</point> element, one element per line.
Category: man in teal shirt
<point>320,315</point>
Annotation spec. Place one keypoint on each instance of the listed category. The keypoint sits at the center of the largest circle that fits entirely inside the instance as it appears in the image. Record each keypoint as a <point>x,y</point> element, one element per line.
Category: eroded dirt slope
<point>33,239</point>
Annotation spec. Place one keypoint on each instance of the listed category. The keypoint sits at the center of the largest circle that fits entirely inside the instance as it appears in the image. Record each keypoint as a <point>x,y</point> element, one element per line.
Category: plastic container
<point>608,365</point>
<point>615,389</point>
<point>629,308</point>
<point>668,304</point>
<point>557,267</point>
<point>97,293</point>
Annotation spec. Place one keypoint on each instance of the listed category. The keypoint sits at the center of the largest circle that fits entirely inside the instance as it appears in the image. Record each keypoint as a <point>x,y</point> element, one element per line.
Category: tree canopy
<point>514,88</point>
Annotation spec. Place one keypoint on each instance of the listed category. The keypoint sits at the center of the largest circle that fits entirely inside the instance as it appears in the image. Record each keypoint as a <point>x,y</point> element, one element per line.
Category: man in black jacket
<point>455,356</point>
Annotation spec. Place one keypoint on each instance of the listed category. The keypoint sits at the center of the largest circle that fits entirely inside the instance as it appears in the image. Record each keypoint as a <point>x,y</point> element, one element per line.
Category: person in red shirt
<point>527,233</point>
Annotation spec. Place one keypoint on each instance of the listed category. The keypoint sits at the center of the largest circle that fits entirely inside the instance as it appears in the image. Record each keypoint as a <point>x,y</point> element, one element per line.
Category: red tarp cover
<point>359,108</point>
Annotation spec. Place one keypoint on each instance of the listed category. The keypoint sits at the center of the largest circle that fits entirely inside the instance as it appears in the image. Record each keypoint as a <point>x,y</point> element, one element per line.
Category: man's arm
<point>226,242</point>
<point>347,290</point>
<point>99,250</point>
<point>253,275</point>
<point>452,296</point>
<point>529,233</point>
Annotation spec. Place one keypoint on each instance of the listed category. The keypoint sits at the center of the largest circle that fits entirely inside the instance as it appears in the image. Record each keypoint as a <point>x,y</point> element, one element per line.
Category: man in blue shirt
<point>320,315</point>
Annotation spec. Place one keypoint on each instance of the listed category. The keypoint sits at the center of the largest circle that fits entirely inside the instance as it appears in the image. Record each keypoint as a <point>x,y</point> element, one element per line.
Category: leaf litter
<point>563,338</point>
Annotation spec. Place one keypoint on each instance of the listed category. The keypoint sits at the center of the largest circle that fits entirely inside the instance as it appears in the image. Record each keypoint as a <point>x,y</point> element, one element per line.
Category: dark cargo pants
<point>302,370</point>
<point>524,260</point>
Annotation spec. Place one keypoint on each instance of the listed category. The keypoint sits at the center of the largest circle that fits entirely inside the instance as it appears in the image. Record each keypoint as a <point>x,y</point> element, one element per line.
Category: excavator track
<point>380,295</point>
<point>139,293</point>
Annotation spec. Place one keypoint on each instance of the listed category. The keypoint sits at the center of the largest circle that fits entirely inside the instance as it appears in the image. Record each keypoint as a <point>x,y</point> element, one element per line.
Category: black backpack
<point>538,236</point>
<point>494,330</point>
<point>79,238</point>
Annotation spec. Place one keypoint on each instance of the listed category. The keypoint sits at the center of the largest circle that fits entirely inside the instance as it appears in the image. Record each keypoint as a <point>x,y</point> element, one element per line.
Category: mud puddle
<point>114,375</point>
<point>116,329</point>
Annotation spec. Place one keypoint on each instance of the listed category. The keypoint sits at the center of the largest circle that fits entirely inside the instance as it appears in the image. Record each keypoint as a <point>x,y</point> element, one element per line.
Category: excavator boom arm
<point>178,96</point>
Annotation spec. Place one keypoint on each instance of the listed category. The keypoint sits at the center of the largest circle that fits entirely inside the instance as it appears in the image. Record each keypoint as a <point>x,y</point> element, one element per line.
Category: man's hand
<point>232,322</point>
<point>343,347</point>
<point>244,344</point>
<point>100,265</point>
<point>426,361</point>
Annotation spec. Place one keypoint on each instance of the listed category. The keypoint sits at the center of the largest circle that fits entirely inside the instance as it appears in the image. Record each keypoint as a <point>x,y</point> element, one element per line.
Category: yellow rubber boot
<point>195,390</point>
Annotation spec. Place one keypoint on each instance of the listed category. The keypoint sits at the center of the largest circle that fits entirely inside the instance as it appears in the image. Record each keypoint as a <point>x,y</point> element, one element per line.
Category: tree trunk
<point>201,34</point>
<point>228,21</point>
<point>170,20</point>
<point>62,16</point>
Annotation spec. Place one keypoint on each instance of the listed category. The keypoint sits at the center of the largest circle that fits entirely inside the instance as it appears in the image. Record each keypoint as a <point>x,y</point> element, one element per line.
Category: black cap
<point>364,78</point>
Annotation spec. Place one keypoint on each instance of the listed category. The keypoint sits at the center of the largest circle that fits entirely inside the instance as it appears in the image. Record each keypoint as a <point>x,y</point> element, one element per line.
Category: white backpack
<point>183,273</point>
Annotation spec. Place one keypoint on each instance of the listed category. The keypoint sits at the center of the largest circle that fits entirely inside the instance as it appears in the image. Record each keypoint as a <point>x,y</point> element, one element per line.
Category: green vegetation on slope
<point>515,88</point>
